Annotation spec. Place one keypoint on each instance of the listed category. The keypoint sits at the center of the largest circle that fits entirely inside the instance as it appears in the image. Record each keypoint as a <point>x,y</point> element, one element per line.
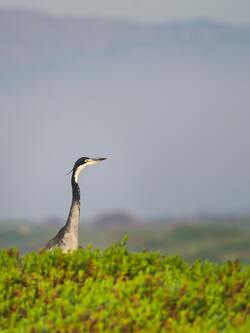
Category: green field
<point>120,291</point>
<point>215,240</point>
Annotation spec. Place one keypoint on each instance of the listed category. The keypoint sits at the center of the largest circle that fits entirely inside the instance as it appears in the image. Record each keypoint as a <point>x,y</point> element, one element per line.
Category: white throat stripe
<point>81,167</point>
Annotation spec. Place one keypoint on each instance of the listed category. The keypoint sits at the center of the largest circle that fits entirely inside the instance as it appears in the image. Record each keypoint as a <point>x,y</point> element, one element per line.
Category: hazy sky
<point>169,110</point>
<point>237,12</point>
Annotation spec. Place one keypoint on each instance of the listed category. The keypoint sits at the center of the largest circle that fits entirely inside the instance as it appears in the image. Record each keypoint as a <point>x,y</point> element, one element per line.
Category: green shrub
<point>118,291</point>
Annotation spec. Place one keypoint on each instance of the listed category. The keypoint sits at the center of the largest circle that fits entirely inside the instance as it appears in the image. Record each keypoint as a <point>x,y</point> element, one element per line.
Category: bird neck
<point>75,189</point>
<point>74,213</point>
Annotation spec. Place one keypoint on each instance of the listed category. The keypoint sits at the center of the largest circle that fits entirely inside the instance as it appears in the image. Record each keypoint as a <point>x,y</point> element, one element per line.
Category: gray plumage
<point>67,237</point>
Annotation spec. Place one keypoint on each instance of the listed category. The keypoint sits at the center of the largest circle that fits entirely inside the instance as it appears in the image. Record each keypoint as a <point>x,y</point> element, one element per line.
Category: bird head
<point>82,163</point>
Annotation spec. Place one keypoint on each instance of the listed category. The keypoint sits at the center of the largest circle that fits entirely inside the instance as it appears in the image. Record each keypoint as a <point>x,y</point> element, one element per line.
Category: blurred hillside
<point>216,239</point>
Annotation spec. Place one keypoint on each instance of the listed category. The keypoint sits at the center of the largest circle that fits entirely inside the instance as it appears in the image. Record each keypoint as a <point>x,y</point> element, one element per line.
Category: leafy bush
<point>117,291</point>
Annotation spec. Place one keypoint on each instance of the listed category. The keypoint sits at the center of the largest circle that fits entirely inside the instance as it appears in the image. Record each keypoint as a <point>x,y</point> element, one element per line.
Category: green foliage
<point>119,291</point>
<point>213,239</point>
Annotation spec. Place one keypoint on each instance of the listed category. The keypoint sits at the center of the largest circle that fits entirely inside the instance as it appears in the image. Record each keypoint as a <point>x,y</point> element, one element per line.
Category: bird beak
<point>95,160</point>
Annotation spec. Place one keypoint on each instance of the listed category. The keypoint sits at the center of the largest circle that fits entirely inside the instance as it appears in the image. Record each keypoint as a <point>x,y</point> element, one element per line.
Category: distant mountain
<point>116,219</point>
<point>29,39</point>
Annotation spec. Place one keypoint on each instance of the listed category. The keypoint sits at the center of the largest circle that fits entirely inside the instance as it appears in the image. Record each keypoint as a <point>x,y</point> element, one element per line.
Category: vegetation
<point>119,291</point>
<point>211,239</point>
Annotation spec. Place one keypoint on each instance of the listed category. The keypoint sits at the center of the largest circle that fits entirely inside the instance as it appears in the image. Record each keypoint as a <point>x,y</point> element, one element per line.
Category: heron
<point>67,237</point>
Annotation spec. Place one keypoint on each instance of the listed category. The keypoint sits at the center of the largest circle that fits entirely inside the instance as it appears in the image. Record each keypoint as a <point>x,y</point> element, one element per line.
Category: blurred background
<point>161,88</point>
